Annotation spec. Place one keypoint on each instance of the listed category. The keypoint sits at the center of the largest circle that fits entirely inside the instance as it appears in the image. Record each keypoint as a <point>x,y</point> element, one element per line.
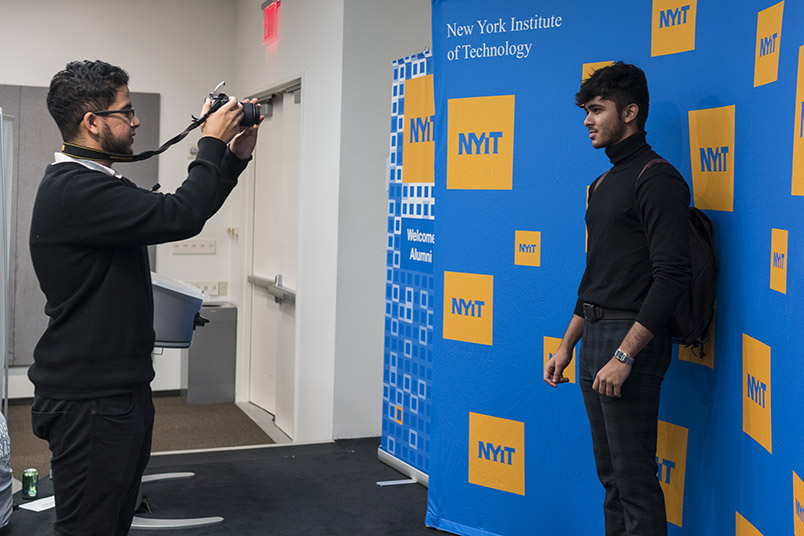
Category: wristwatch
<point>619,355</point>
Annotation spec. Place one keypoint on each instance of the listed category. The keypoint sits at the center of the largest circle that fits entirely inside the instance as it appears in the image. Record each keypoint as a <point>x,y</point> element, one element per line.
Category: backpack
<point>690,322</point>
<point>692,319</point>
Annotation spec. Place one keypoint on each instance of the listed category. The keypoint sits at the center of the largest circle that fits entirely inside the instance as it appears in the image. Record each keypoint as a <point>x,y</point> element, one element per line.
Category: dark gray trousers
<point>624,429</point>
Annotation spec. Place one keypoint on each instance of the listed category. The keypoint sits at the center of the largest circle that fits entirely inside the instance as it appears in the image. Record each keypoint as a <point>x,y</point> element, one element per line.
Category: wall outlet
<point>210,288</point>
<point>195,246</point>
<point>223,288</point>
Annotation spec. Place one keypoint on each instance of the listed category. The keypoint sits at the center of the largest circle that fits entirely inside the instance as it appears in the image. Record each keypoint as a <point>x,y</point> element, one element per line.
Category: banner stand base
<point>402,467</point>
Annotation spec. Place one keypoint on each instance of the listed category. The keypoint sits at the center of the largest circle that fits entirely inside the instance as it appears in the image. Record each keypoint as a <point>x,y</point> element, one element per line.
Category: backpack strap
<point>657,160</point>
<point>596,183</point>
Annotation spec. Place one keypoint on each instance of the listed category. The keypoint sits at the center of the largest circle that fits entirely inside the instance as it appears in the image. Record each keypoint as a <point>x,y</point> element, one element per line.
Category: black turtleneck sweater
<point>638,247</point>
<point>89,233</point>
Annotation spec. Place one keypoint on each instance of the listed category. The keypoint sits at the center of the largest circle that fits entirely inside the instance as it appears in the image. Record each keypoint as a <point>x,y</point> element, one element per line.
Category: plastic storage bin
<point>175,307</point>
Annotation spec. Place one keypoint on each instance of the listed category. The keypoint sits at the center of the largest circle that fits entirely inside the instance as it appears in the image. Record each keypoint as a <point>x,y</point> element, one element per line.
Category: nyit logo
<point>769,34</point>
<point>767,45</point>
<point>671,459</point>
<point>712,154</point>
<point>798,130</point>
<point>469,307</point>
<point>798,505</point>
<point>421,129</point>
<point>671,17</point>
<point>757,391</point>
<point>551,345</point>
<point>714,158</point>
<point>480,146</point>
<point>418,149</point>
<point>527,248</point>
<point>665,469</point>
<point>497,453</point>
<point>482,143</point>
<point>745,528</point>
<point>778,270</point>
<point>673,26</point>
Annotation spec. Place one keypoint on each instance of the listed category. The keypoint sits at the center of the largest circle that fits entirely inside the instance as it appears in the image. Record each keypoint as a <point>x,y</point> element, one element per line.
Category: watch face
<point>622,356</point>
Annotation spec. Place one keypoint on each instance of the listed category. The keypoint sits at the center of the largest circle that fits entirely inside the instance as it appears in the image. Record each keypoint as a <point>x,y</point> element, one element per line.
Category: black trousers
<point>624,429</point>
<point>100,449</point>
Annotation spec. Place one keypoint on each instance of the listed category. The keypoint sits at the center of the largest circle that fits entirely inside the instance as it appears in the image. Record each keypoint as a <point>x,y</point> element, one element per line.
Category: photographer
<point>89,231</point>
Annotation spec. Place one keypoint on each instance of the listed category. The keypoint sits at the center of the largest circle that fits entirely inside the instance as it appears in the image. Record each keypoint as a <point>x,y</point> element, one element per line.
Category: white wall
<point>375,34</point>
<point>180,49</point>
<point>342,51</point>
<point>309,47</point>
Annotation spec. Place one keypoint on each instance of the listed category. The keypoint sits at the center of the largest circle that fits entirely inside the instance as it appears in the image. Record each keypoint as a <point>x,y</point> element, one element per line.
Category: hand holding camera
<point>224,122</point>
<point>243,143</point>
<point>231,121</point>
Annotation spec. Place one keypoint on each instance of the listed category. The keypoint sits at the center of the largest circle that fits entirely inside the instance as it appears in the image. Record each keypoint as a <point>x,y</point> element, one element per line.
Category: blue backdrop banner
<point>409,285</point>
<point>511,455</point>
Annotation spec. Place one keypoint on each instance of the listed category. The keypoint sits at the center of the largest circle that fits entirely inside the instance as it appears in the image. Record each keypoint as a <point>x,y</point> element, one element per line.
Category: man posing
<point>89,231</point>
<point>637,267</point>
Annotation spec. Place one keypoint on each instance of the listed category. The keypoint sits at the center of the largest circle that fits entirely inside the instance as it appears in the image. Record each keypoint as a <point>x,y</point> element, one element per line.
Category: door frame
<point>245,265</point>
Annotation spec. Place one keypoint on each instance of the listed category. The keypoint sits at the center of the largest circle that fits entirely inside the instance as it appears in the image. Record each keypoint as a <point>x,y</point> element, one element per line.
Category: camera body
<point>251,112</point>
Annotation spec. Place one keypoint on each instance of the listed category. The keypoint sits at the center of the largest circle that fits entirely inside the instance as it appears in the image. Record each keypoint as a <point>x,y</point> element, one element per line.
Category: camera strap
<point>79,151</point>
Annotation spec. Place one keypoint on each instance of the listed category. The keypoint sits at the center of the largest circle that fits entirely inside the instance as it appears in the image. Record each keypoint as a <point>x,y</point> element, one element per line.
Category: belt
<point>593,313</point>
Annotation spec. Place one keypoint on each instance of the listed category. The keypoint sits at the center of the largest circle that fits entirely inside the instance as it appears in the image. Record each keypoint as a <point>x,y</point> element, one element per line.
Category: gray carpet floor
<point>177,426</point>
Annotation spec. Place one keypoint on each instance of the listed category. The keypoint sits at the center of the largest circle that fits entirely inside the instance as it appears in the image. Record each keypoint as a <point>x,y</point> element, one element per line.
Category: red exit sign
<point>269,17</point>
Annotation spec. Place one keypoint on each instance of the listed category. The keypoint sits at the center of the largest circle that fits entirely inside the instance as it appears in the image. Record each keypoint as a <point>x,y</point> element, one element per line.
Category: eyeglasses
<point>127,112</point>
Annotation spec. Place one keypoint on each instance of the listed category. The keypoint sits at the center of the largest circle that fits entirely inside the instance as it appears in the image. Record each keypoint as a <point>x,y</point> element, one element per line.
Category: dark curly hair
<point>621,83</point>
<point>83,86</point>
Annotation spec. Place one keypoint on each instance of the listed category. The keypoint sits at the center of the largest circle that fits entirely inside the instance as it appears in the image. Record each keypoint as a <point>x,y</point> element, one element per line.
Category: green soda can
<point>30,482</point>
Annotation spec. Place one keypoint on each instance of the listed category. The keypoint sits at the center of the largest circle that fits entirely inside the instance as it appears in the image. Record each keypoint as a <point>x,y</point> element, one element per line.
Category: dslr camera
<point>251,112</point>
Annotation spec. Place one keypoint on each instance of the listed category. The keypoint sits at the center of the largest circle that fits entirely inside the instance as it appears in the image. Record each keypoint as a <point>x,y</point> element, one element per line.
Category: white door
<point>275,214</point>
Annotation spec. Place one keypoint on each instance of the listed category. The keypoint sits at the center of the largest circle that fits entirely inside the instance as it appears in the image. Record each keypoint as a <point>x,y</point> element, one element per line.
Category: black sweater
<point>89,233</point>
<point>638,251</point>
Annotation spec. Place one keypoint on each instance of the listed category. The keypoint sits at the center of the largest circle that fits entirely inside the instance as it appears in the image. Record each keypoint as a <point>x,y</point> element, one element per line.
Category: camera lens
<point>251,114</point>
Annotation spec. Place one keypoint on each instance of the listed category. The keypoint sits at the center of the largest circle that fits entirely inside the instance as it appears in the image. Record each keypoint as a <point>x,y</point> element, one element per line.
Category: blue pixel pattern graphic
<point>408,352</point>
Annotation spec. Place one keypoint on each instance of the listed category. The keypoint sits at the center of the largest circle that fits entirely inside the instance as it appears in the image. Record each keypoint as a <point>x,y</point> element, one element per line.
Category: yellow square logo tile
<point>757,391</point>
<point>744,528</point>
<point>673,26</point>
<point>480,145</point>
<point>769,34</point>
<point>418,149</point>
<point>497,453</point>
<point>702,356</point>
<point>798,130</point>
<point>712,155</point>
<point>671,457</point>
<point>798,505</point>
<point>778,261</point>
<point>551,347</point>
<point>589,68</point>
<point>528,248</point>
<point>468,307</point>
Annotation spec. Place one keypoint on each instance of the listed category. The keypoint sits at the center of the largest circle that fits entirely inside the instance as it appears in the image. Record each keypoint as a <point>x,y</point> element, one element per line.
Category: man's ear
<point>90,124</point>
<point>630,113</point>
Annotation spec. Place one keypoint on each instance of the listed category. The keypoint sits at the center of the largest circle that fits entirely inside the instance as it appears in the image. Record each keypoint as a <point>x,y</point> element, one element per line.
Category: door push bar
<point>281,294</point>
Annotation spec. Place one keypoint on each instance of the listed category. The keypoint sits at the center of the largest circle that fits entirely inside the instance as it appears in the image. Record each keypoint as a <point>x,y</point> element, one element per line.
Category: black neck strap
<point>79,151</point>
